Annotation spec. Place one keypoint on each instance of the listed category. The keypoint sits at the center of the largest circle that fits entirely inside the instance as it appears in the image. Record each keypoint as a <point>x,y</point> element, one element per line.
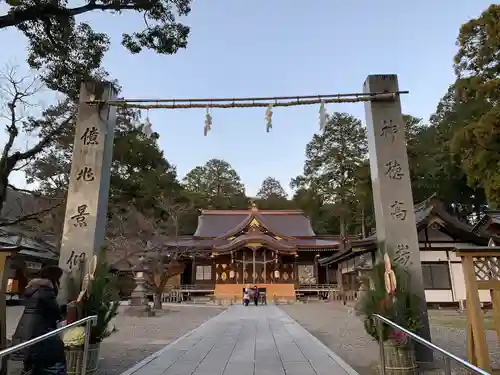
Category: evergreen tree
<point>140,174</point>
<point>216,185</point>
<point>271,189</point>
<point>477,66</point>
<point>66,51</point>
<point>332,159</point>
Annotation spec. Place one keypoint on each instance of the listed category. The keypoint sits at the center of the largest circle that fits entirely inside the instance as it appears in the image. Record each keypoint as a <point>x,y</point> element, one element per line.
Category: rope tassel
<point>208,122</point>
<point>147,128</point>
<point>269,118</point>
<point>322,116</point>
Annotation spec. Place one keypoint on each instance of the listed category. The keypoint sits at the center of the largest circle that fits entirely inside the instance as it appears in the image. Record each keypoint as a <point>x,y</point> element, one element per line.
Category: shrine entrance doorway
<point>258,265</point>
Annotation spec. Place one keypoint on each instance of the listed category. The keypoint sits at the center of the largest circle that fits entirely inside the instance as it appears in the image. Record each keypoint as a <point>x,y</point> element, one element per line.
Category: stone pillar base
<point>140,311</point>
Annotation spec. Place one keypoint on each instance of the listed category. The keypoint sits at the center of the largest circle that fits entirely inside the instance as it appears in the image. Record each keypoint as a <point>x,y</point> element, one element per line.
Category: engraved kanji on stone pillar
<point>392,195</point>
<point>87,200</point>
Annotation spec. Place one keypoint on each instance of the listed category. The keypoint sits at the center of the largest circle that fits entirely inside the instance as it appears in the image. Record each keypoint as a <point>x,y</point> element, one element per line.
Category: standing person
<point>41,315</point>
<point>256,295</point>
<point>246,297</point>
<point>251,294</point>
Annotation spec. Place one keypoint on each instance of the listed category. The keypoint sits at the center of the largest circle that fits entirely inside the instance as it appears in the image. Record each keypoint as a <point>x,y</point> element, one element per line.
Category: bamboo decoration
<point>390,276</point>
<point>89,276</point>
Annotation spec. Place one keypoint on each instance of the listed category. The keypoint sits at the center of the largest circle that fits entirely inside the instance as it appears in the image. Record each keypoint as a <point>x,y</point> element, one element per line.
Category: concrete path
<point>250,340</point>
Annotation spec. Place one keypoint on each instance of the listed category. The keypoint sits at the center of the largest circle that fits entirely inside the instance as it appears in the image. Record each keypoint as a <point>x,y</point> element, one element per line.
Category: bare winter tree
<point>18,107</point>
<point>127,235</point>
<point>165,252</point>
<point>132,235</point>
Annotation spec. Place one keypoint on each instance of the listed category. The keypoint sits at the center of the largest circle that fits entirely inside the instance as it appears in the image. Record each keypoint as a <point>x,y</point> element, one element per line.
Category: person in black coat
<point>256,295</point>
<point>41,315</point>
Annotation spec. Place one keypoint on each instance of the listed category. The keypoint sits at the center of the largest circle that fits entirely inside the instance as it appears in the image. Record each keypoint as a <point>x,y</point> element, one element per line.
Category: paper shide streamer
<point>208,122</point>
<point>147,127</point>
<point>269,118</point>
<point>322,116</point>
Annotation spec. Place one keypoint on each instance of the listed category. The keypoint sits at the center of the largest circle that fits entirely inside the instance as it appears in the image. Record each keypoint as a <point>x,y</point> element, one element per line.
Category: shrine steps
<point>234,292</point>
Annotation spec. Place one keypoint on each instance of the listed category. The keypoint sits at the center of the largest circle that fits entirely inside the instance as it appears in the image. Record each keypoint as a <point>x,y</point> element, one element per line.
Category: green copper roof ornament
<point>269,118</point>
<point>208,122</point>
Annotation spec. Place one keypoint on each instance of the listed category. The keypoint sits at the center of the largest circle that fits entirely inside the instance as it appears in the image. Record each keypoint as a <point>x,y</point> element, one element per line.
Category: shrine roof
<point>34,245</point>
<point>290,223</point>
<point>208,244</point>
<point>426,212</point>
<point>482,227</point>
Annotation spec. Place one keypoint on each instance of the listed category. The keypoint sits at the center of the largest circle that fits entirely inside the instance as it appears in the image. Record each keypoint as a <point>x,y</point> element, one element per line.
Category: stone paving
<point>343,332</point>
<point>137,338</point>
<point>250,340</point>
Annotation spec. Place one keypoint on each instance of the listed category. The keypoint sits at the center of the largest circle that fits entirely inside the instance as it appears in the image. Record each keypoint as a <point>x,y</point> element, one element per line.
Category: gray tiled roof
<point>289,224</point>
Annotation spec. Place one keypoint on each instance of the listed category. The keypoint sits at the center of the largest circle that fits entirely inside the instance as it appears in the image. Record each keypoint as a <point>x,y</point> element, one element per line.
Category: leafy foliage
<point>217,184</point>
<point>476,102</point>
<point>102,299</point>
<point>402,307</point>
<point>271,189</point>
<point>332,159</point>
<point>140,174</point>
<point>19,94</point>
<point>66,51</point>
<point>322,215</point>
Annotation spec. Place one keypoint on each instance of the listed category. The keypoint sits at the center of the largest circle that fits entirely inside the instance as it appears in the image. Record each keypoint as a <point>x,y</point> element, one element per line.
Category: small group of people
<point>41,315</point>
<point>251,294</point>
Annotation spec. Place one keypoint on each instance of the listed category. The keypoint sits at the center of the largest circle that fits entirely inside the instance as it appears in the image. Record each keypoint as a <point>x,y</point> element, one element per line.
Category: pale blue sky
<point>278,48</point>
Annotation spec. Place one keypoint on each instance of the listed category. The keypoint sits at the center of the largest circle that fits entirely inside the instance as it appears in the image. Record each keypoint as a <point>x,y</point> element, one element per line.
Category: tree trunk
<point>342,226</point>
<point>157,305</point>
<point>3,313</point>
<point>363,223</point>
<point>3,190</point>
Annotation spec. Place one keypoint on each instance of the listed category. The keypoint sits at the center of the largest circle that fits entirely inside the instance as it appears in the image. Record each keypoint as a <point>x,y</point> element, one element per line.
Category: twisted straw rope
<point>252,103</point>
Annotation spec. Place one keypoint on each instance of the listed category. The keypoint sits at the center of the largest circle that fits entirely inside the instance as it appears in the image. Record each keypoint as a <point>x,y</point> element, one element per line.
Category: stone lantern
<point>139,305</point>
<point>362,268</point>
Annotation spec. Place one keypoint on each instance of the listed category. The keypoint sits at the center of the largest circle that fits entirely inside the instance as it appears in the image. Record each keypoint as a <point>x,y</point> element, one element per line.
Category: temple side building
<point>439,234</point>
<point>276,250</point>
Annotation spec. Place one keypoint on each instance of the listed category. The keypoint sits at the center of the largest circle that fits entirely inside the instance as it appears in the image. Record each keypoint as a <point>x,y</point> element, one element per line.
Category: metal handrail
<point>87,320</point>
<point>424,342</point>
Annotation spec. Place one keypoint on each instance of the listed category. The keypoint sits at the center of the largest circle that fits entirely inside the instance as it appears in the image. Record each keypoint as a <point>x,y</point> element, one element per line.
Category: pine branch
<point>45,11</point>
<point>44,142</point>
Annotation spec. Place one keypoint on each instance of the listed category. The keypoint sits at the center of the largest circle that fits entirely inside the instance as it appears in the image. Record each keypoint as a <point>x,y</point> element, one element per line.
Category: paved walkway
<point>245,341</point>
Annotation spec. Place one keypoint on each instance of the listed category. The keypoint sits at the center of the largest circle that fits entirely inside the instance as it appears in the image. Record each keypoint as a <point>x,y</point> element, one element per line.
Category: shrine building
<point>277,250</point>
<point>440,234</point>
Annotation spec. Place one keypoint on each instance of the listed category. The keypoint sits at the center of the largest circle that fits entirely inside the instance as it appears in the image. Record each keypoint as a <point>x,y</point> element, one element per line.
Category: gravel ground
<point>342,331</point>
<point>137,338</point>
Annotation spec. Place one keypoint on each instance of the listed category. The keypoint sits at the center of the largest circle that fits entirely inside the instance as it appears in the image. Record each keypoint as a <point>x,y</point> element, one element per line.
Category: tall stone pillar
<point>392,195</point>
<point>87,200</point>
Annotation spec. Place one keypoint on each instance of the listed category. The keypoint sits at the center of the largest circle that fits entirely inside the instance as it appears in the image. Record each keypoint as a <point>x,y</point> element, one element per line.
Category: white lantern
<point>276,274</point>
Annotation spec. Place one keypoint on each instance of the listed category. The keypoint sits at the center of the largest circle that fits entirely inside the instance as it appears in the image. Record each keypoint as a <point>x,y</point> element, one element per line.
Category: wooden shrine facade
<point>276,250</point>
<point>440,233</point>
